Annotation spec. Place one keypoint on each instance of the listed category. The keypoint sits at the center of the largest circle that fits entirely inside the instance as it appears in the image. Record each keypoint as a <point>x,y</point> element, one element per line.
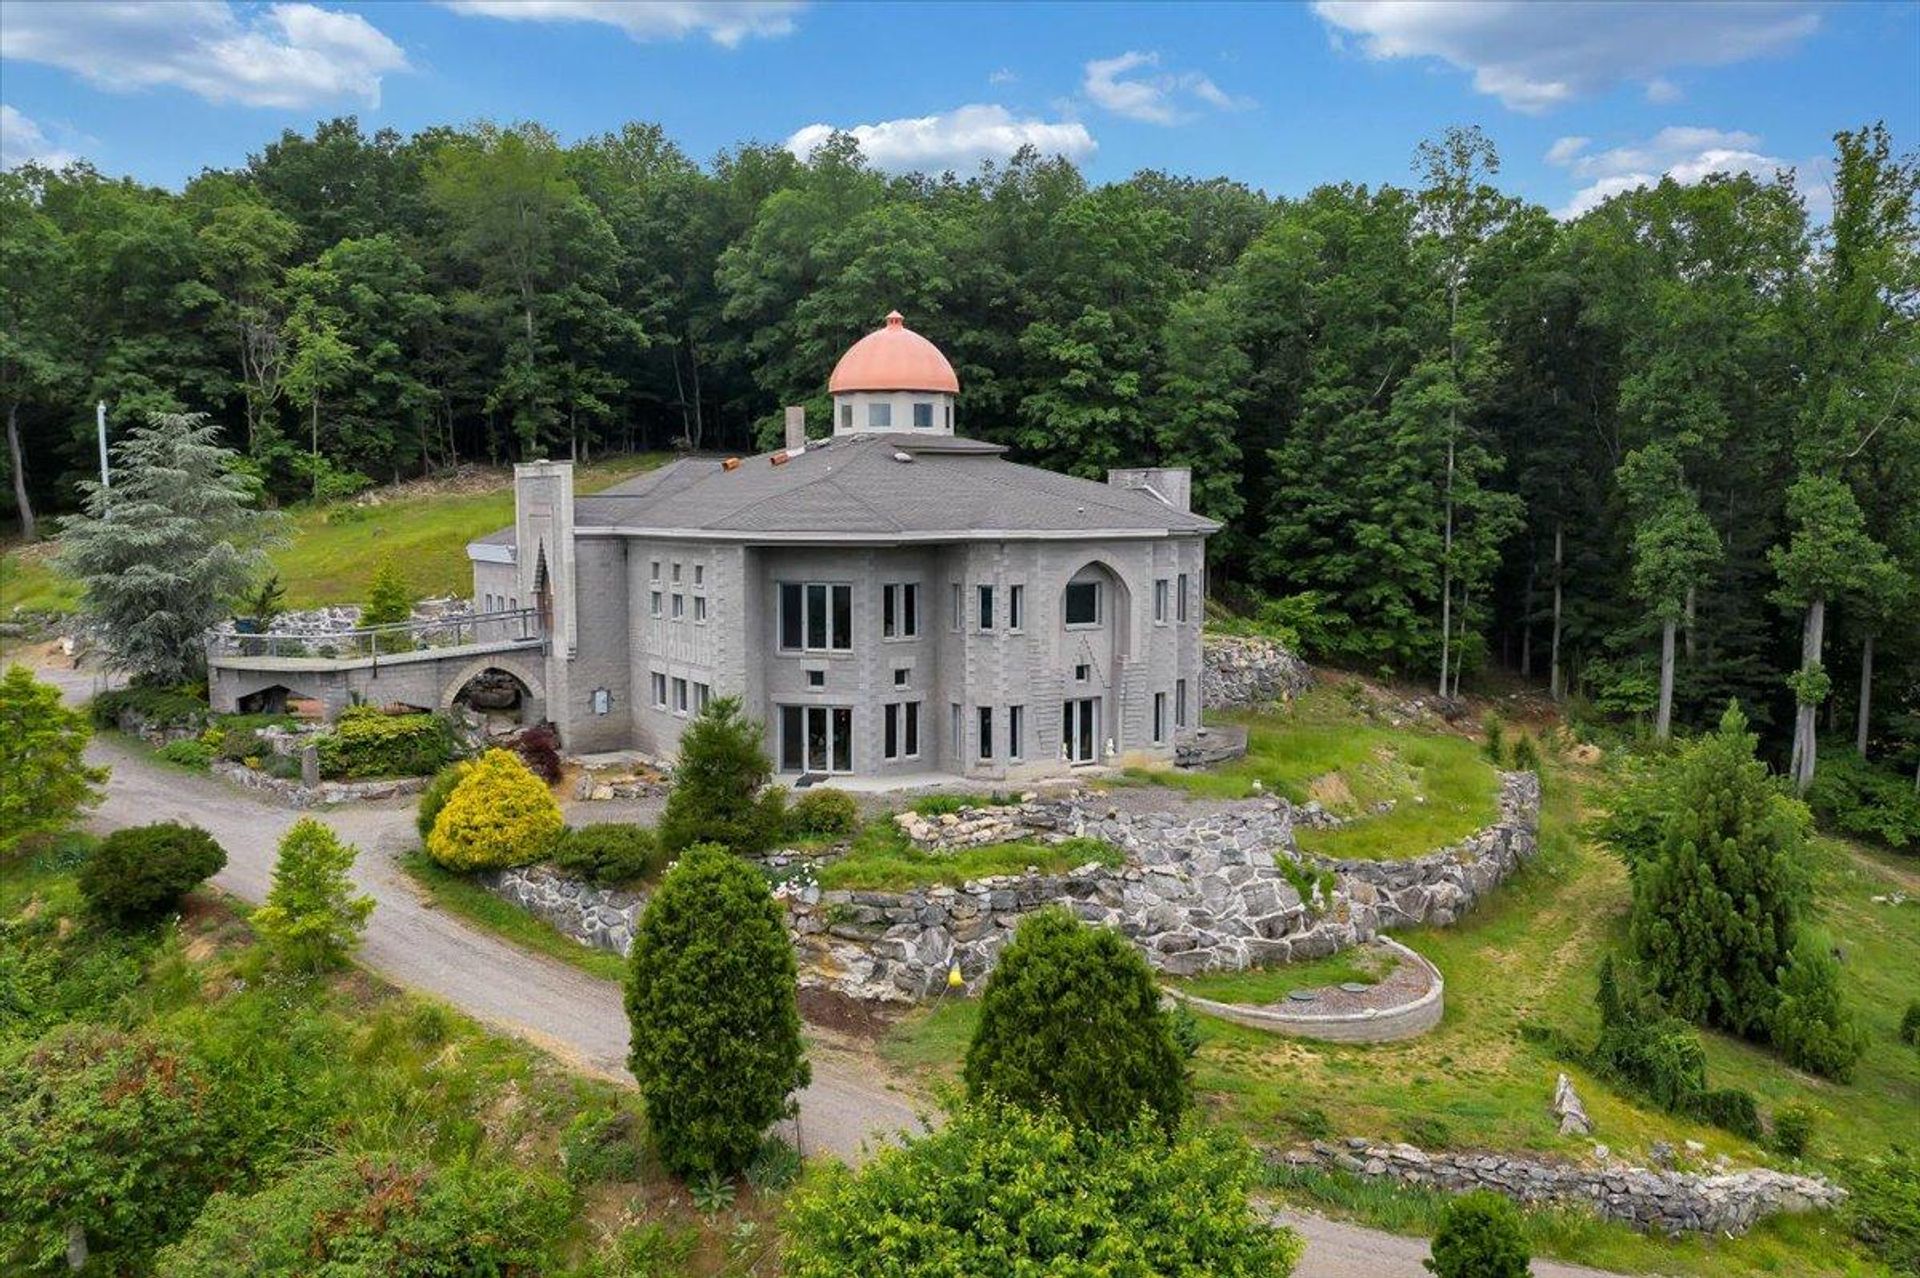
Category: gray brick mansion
<point>892,601</point>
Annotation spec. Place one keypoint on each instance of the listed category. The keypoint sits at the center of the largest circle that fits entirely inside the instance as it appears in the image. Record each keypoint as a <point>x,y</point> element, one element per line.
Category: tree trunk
<point>1807,714</point>
<point>693,367</point>
<point>1446,576</point>
<point>1866,695</point>
<point>1663,721</point>
<point>1553,678</point>
<point>27,528</point>
<point>1689,617</point>
<point>316,447</point>
<point>1526,612</point>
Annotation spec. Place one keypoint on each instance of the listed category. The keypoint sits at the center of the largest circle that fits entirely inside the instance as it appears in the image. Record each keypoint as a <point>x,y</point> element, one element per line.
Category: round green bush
<point>999,1190</point>
<point>143,871</point>
<point>1072,1019</point>
<point>188,752</point>
<point>499,815</point>
<point>1812,1025</point>
<point>716,1025</point>
<point>435,796</point>
<point>1793,1129</point>
<point>615,852</point>
<point>384,1216</point>
<point>1479,1237</point>
<point>824,812</point>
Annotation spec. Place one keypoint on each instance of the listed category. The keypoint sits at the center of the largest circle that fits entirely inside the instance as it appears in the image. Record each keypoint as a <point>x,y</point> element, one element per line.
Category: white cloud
<point>1684,153</point>
<point>722,22</point>
<point>23,142</point>
<point>1160,98</point>
<point>1564,149</point>
<point>1005,75</point>
<point>1662,91</point>
<point>1537,54</point>
<point>287,55</point>
<point>956,140</point>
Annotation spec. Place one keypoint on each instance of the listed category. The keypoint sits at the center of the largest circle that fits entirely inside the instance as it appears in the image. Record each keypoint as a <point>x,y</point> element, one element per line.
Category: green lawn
<point>1263,985</point>
<point>333,550</point>
<point>1441,787</point>
<point>883,860</point>
<point>1531,954</point>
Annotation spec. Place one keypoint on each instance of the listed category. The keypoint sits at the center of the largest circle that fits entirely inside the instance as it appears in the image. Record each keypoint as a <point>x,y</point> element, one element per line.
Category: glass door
<point>816,738</point>
<point>1080,729</point>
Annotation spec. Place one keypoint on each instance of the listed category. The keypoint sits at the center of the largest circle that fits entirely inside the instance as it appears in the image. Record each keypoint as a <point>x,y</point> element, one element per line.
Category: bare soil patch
<point>834,1011</point>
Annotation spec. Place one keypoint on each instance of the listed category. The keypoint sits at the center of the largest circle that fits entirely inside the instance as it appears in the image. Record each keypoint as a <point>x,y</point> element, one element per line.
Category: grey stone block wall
<point>1667,1202</point>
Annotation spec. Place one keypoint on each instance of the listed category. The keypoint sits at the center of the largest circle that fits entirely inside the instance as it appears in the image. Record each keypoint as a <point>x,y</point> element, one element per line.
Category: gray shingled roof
<point>858,485</point>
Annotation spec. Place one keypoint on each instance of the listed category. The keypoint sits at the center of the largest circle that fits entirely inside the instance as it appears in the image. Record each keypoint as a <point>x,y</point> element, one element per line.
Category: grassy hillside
<point>333,550</point>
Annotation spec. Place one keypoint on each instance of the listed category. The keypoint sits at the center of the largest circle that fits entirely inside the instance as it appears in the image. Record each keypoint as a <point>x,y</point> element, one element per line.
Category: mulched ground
<point>835,1011</point>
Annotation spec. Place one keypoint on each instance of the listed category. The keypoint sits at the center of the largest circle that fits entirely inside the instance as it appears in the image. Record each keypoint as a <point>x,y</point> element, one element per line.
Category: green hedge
<point>369,743</point>
<point>160,707</point>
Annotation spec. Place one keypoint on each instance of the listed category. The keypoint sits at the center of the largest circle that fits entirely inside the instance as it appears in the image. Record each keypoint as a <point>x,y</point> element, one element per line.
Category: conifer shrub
<point>1910,1024</point>
<point>717,785</point>
<point>1480,1236</point>
<point>716,1025</point>
<point>141,872</point>
<point>368,742</point>
<point>1717,905</point>
<point>824,812</point>
<point>188,753</point>
<point>45,779</point>
<point>1811,1026</point>
<point>999,1189</point>
<point>612,853</point>
<point>313,917</point>
<point>1072,1019</point>
<point>378,1216</point>
<point>1731,1109</point>
<point>1495,747</point>
<point>435,796</point>
<point>499,815</point>
<point>119,1136</point>
<point>1526,755</point>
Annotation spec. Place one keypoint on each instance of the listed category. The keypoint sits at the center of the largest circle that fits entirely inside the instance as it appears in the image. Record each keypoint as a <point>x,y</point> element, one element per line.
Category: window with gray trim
<point>816,616</point>
<point>1082,604</point>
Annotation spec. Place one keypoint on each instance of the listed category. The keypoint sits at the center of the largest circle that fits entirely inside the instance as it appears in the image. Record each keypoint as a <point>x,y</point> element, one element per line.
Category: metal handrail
<point>513,625</point>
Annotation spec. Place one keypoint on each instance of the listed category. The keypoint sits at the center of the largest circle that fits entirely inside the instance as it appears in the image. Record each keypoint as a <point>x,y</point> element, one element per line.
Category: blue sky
<point>1582,99</point>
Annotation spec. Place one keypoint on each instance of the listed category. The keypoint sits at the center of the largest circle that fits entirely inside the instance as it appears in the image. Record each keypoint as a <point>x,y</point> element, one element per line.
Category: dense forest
<point>1658,457</point>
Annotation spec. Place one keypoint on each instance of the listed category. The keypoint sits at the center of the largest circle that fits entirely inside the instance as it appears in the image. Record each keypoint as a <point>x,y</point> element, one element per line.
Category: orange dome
<point>894,358</point>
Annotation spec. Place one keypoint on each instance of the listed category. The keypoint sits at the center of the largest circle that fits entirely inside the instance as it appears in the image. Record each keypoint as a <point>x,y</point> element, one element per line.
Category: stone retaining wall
<point>1242,671</point>
<point>298,794</point>
<point>1220,891</point>
<point>1669,1202</point>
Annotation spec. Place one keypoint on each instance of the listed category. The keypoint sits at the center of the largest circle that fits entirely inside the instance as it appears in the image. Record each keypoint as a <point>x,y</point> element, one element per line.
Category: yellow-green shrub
<point>500,815</point>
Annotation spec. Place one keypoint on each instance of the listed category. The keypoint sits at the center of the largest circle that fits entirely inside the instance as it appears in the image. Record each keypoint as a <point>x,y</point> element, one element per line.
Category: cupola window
<point>879,416</point>
<point>922,415</point>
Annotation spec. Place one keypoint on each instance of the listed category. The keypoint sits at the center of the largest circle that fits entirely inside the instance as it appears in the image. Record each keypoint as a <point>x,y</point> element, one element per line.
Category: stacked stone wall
<point>1657,1201</point>
<point>1241,671</point>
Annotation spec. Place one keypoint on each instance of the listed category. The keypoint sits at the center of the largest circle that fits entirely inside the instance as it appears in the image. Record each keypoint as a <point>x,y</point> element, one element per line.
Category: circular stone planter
<point>1407,1019</point>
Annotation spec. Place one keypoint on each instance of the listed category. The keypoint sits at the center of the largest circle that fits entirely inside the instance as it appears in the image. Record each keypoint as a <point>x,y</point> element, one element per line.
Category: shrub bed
<point>499,815</point>
<point>140,872</point>
<point>609,854</point>
<point>367,742</point>
<point>160,707</point>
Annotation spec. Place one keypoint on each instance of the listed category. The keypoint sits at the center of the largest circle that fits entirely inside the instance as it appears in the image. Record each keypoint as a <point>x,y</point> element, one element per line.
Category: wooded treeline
<point>1444,429</point>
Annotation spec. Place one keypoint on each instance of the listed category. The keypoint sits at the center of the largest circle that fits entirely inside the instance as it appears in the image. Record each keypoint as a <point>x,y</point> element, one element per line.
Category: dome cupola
<point>893,379</point>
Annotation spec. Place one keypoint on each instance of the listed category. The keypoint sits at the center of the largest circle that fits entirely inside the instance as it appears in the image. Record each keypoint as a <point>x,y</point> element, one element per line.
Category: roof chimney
<point>796,428</point>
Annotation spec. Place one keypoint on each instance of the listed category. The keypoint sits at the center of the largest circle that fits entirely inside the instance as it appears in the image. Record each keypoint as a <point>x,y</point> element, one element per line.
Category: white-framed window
<point>816,678</point>
<point>879,415</point>
<point>846,417</point>
<point>702,693</point>
<point>1180,600</point>
<point>986,607</point>
<point>954,617</point>
<point>654,602</point>
<point>602,701</point>
<point>1161,588</point>
<point>700,609</point>
<point>676,572</point>
<point>489,607</point>
<point>679,605</point>
<point>679,696</point>
<point>1179,703</point>
<point>699,575</point>
<point>658,683</point>
<point>1159,717</point>
<point>900,610</point>
<point>816,738</point>
<point>1016,607</point>
<point>986,732</point>
<point>816,616</point>
<point>900,723</point>
<point>922,415</point>
<point>1082,672</point>
<point>1016,733</point>
<point>959,731</point>
<point>1082,603</point>
<point>900,676</point>
<point>653,572</point>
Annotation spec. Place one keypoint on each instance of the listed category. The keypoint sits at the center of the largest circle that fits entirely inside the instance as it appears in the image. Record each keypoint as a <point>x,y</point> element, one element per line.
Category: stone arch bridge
<point>423,664</point>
